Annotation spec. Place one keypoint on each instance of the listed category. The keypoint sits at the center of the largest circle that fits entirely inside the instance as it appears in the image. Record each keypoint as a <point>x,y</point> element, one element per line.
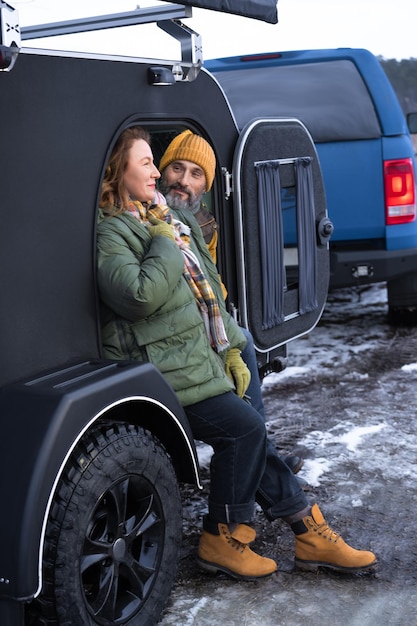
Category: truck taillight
<point>400,199</point>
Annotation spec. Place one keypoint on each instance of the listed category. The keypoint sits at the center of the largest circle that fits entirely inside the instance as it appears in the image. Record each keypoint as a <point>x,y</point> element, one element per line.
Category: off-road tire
<point>113,533</point>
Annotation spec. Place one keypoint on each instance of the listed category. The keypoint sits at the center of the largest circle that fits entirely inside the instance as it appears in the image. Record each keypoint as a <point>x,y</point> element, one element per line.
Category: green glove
<point>237,371</point>
<point>160,227</point>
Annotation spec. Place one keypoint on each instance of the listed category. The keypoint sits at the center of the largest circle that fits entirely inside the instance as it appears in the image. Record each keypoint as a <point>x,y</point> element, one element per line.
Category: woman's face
<point>140,174</point>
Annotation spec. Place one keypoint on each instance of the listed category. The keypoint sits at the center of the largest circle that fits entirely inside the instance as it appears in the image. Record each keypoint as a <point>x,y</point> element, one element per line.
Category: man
<point>187,172</point>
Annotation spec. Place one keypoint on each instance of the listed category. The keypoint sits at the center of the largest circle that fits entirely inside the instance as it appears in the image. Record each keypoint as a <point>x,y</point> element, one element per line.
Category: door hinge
<point>228,182</point>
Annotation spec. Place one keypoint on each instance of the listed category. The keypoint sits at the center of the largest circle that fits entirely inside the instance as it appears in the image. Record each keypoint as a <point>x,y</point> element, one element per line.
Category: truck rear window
<point>330,98</point>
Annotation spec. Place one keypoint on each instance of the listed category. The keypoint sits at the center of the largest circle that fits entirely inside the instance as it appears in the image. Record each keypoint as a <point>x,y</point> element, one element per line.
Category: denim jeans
<point>245,467</point>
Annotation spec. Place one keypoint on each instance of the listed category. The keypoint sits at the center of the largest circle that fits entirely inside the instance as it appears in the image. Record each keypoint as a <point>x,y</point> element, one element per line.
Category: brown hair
<point>114,197</point>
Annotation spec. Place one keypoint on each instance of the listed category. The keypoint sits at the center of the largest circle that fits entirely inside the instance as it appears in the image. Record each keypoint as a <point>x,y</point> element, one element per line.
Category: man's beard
<point>174,201</point>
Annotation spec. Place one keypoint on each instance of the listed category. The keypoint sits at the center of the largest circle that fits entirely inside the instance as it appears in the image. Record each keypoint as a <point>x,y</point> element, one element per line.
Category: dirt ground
<point>347,401</point>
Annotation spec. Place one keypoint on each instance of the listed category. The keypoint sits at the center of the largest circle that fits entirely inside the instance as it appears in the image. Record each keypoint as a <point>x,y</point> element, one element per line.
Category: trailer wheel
<point>113,533</point>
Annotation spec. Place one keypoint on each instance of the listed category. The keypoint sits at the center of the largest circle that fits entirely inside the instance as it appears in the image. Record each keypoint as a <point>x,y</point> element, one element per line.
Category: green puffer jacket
<point>149,312</point>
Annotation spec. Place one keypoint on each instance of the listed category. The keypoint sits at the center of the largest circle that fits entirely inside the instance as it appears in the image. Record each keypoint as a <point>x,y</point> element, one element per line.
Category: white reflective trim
<point>75,442</point>
<point>301,334</point>
<point>239,239</point>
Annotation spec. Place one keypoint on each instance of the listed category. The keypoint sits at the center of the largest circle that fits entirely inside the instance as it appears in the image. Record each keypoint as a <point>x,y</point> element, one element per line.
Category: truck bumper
<point>359,267</point>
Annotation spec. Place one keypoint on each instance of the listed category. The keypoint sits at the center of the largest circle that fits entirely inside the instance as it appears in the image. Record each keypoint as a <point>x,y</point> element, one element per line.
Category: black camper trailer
<point>93,451</point>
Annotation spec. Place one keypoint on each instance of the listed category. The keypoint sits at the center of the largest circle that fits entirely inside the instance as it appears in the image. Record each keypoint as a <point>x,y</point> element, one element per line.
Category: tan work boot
<point>229,553</point>
<point>320,546</point>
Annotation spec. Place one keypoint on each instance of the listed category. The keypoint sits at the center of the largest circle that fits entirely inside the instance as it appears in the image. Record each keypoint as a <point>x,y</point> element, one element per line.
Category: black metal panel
<point>272,139</point>
<point>265,10</point>
<point>42,418</point>
<point>58,117</point>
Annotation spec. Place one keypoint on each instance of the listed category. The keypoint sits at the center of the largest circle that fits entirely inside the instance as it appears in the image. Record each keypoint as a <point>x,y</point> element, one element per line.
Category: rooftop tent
<point>265,10</point>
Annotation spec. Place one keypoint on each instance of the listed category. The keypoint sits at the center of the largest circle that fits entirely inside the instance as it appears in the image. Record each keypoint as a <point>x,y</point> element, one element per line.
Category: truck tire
<point>402,300</point>
<point>113,534</point>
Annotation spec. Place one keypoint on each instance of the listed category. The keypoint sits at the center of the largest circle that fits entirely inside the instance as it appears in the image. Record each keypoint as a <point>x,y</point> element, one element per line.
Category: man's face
<point>183,184</point>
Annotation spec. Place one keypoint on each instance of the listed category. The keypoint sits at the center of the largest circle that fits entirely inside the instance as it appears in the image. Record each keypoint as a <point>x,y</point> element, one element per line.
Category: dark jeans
<point>245,467</point>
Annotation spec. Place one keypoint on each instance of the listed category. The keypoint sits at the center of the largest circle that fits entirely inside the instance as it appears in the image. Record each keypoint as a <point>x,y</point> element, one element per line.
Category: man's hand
<point>237,371</point>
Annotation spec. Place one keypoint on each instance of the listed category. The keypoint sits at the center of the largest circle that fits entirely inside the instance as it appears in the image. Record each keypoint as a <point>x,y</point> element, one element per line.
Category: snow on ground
<point>346,402</point>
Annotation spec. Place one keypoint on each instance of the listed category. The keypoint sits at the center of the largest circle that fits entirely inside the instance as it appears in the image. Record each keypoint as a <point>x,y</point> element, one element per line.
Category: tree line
<point>403,77</point>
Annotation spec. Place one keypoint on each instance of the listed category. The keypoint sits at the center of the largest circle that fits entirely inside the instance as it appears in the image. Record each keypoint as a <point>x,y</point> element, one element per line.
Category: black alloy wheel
<point>113,535</point>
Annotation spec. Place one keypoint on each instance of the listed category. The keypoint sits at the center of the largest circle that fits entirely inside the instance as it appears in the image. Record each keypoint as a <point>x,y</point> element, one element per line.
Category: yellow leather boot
<point>320,546</point>
<point>228,552</point>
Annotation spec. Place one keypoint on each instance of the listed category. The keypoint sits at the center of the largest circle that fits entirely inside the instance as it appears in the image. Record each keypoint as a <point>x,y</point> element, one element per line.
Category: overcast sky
<point>385,27</point>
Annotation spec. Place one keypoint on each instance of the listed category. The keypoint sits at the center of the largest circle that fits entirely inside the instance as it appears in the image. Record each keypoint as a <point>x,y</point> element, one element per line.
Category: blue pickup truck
<point>365,151</point>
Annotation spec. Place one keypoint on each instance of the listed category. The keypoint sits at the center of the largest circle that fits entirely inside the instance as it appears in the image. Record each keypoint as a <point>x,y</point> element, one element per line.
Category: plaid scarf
<point>193,273</point>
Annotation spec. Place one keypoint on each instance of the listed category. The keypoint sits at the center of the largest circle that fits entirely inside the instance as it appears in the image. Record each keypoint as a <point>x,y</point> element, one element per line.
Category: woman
<point>162,303</point>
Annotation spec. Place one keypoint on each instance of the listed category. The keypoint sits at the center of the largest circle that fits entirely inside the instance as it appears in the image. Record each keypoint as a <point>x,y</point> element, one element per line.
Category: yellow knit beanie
<point>190,147</point>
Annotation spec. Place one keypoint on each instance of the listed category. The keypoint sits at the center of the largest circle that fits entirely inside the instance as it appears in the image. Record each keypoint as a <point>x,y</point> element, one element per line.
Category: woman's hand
<point>159,227</point>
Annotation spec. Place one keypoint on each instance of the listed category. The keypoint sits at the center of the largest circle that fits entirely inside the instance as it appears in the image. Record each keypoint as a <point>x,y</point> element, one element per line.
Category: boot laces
<point>235,544</point>
<point>326,532</point>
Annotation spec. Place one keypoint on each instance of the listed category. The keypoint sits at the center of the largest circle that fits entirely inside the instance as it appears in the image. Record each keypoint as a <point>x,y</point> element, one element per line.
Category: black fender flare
<point>42,421</point>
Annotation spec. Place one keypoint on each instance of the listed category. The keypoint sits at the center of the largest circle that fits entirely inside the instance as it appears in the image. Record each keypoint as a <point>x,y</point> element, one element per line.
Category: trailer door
<point>282,232</point>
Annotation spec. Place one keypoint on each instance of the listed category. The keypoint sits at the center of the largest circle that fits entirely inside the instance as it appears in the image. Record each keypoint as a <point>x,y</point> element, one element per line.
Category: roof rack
<point>167,18</point>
